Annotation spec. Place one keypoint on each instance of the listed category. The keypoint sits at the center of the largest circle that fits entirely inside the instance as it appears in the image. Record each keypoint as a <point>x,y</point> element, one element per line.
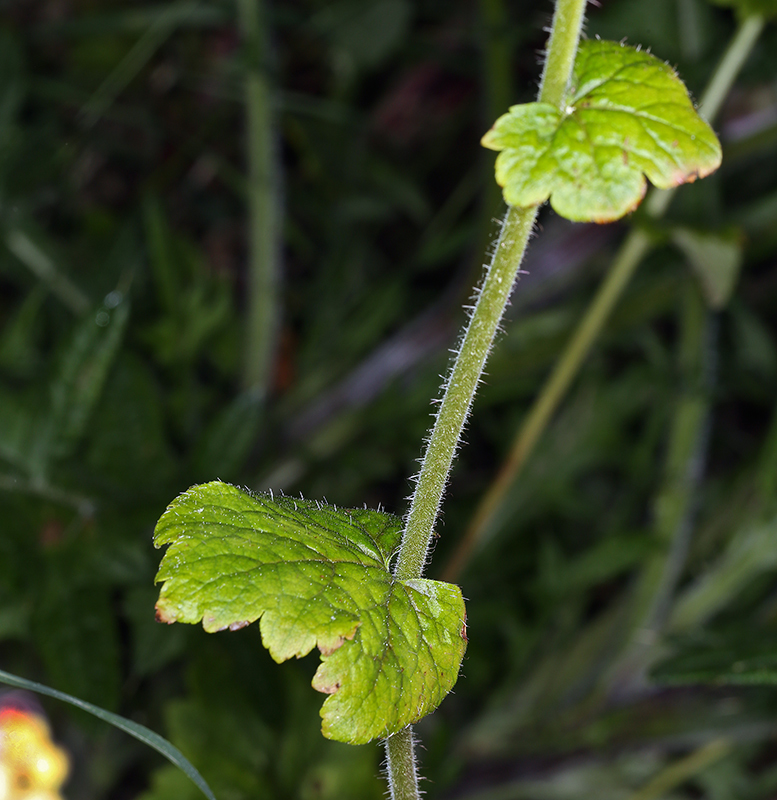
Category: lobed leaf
<point>316,576</point>
<point>628,116</point>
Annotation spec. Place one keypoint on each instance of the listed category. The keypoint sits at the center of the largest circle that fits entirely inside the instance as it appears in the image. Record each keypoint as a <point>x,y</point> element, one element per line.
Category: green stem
<point>83,505</point>
<point>730,65</point>
<point>484,322</point>
<point>675,502</point>
<point>684,768</point>
<point>562,49</point>
<point>263,204</point>
<point>460,390</point>
<point>634,248</point>
<point>467,370</point>
<point>128,68</point>
<point>401,766</point>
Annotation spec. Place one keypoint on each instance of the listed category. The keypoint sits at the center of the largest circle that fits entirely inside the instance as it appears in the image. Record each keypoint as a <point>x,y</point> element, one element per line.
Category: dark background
<point>123,275</point>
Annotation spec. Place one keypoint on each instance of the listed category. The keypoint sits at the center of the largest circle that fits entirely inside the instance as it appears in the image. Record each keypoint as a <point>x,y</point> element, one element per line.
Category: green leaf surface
<point>317,576</point>
<point>627,116</point>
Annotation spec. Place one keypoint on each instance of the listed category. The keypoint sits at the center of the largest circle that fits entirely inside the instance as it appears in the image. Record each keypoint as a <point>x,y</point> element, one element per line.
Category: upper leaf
<point>628,115</point>
<point>316,576</point>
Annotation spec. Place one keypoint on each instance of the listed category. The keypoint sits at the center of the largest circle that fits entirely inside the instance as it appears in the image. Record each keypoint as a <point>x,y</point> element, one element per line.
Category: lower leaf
<point>316,576</point>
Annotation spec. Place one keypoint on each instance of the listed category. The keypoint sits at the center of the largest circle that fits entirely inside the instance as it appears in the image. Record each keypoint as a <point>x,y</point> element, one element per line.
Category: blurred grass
<point>124,267</point>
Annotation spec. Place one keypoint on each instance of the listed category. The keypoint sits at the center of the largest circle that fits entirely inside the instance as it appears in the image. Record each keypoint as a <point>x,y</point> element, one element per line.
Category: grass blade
<point>140,732</point>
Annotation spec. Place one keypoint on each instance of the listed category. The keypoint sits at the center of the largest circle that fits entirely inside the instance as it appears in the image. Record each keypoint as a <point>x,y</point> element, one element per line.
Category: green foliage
<point>316,576</point>
<point>627,116</point>
<point>738,657</point>
<point>143,734</point>
<point>747,8</point>
<point>387,210</point>
<point>716,258</point>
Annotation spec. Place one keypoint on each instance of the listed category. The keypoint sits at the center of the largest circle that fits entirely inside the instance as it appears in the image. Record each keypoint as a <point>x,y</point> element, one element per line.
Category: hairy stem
<point>561,52</point>
<point>263,203</point>
<point>460,390</point>
<point>401,766</point>
<point>634,248</point>
<point>468,368</point>
<point>484,322</point>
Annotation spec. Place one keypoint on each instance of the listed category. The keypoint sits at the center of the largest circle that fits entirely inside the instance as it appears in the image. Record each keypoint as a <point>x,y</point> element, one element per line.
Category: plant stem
<point>634,248</point>
<point>562,49</point>
<point>727,70</point>
<point>141,53</point>
<point>460,390</point>
<point>401,766</point>
<point>83,505</point>
<point>681,770</point>
<point>467,370</point>
<point>263,203</point>
<point>484,322</point>
<point>675,503</point>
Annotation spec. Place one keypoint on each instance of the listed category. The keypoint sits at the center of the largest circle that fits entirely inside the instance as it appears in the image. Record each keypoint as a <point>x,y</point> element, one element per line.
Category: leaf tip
<point>326,687</point>
<point>487,140</point>
<point>163,615</point>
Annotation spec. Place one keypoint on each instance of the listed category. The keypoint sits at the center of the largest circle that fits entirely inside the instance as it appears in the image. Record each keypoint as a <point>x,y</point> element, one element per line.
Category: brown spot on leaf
<point>603,219</point>
<point>236,626</point>
<point>328,648</point>
<point>685,177</point>
<point>327,688</point>
<point>160,616</point>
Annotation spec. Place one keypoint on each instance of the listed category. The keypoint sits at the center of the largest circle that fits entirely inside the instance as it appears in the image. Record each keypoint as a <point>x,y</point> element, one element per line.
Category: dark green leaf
<point>75,630</point>
<point>228,439</point>
<point>83,371</point>
<point>127,452</point>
